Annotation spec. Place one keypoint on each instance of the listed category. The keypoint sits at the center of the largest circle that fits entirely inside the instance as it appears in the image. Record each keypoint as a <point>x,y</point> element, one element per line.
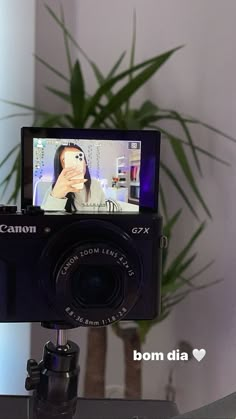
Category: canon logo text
<point>17,229</point>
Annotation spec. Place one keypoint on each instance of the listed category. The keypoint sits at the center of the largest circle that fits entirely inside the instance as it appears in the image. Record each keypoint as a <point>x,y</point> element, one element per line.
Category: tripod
<point>54,380</point>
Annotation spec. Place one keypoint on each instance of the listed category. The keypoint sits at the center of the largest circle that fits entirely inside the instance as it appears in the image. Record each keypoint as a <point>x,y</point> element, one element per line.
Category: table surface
<point>18,407</point>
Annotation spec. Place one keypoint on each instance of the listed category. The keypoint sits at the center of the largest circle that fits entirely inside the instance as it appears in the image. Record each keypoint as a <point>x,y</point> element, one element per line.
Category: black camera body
<point>85,255</point>
<point>82,269</point>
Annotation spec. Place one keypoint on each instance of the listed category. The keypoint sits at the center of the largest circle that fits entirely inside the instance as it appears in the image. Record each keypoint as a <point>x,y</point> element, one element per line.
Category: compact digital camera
<point>71,256</point>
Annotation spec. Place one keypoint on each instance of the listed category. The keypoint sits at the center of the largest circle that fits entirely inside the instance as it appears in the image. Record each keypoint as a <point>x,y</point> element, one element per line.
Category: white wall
<point>17,36</point>
<point>199,80</point>
<point>50,47</point>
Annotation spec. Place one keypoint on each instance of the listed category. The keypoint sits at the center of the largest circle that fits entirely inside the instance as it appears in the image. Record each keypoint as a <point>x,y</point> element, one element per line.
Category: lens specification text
<point>104,322</point>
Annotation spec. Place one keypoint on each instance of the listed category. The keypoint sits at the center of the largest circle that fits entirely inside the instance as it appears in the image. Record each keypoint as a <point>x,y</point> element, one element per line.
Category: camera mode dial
<point>34,210</point>
<point>8,209</point>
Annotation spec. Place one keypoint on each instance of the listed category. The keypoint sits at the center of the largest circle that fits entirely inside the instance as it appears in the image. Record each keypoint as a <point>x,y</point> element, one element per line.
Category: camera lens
<point>96,286</point>
<point>91,273</point>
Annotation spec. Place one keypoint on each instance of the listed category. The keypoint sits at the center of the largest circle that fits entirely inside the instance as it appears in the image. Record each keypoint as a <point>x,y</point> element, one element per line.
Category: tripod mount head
<point>54,380</point>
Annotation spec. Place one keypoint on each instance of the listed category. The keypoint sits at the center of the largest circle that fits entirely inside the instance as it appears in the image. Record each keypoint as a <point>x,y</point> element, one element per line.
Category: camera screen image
<point>86,175</point>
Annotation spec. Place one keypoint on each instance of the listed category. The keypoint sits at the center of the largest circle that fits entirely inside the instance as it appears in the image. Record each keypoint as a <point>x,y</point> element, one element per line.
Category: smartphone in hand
<point>76,159</point>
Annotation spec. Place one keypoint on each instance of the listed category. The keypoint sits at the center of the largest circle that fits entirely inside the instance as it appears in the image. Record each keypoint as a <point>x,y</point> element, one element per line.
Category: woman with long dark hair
<point>66,192</point>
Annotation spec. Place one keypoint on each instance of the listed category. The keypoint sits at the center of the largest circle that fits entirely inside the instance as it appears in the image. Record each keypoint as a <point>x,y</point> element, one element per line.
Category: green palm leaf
<point>51,68</point>
<point>132,55</point>
<point>191,120</point>
<point>77,94</point>
<point>184,164</point>
<point>67,48</point>
<point>118,118</point>
<point>163,203</point>
<point>176,184</point>
<point>62,95</point>
<point>167,230</point>
<point>102,90</point>
<point>189,138</point>
<point>9,154</point>
<point>24,106</point>
<point>199,149</point>
<point>67,32</point>
<point>14,115</point>
<point>131,87</point>
<point>175,264</point>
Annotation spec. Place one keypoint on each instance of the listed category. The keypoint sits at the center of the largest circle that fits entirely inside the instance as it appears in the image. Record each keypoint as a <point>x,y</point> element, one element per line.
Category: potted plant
<point>110,106</point>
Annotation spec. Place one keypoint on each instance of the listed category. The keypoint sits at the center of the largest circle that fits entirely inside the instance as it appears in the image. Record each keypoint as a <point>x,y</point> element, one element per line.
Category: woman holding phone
<point>73,189</point>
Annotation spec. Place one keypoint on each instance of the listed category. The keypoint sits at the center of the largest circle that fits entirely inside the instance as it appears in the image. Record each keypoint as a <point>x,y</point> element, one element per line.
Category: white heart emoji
<point>199,354</point>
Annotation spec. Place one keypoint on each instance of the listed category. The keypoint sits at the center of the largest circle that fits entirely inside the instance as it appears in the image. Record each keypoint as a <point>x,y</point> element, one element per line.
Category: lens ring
<point>63,251</point>
<point>100,254</point>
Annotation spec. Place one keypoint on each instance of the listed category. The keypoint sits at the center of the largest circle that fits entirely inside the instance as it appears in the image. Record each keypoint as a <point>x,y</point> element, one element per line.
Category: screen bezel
<point>150,155</point>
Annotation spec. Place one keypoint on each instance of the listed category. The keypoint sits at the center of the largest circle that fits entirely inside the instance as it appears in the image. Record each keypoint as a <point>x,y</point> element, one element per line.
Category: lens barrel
<point>91,273</point>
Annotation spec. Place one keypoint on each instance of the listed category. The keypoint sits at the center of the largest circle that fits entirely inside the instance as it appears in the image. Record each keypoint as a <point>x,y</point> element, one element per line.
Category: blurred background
<point>199,80</point>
